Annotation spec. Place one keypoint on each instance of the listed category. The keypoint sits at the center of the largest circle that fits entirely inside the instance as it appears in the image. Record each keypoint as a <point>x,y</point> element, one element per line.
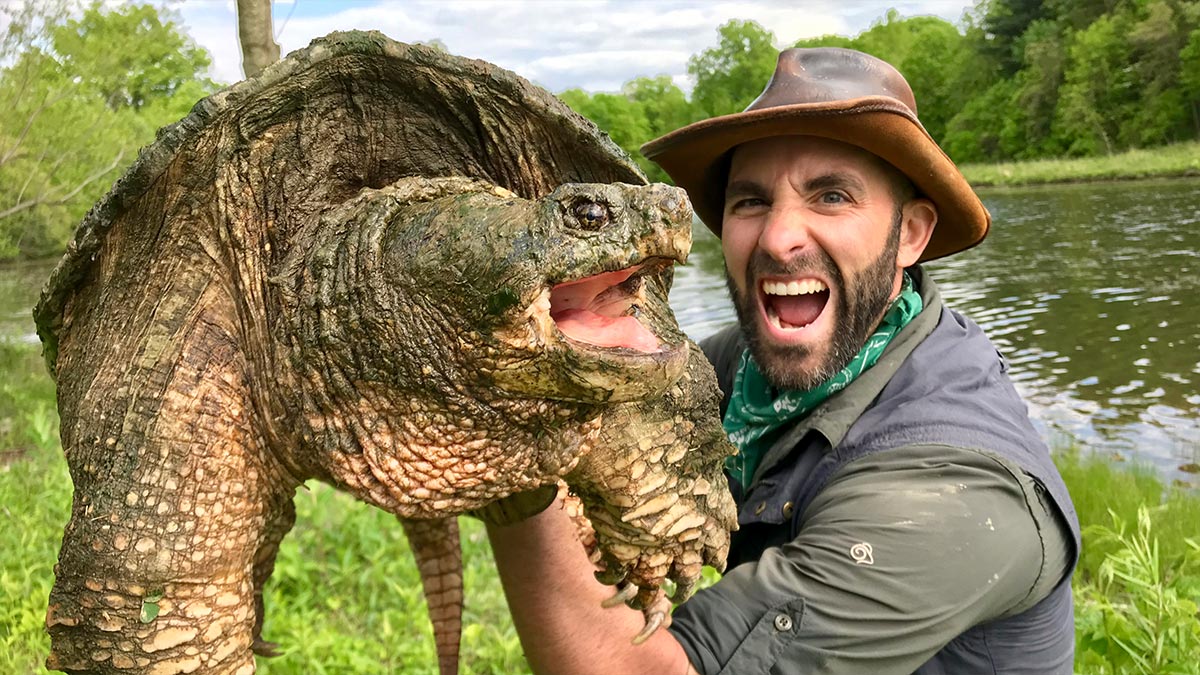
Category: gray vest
<point>954,391</point>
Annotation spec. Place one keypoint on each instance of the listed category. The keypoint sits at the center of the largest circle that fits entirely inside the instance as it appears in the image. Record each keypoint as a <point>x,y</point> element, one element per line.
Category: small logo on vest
<point>861,553</point>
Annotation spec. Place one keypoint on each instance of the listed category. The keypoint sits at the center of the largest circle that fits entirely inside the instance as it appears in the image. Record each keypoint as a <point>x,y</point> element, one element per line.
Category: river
<point>1088,289</point>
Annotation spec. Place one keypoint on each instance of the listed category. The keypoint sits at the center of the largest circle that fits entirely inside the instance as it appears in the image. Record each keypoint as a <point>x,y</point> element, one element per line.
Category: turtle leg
<point>435,546</point>
<point>170,525</point>
<point>133,595</point>
<point>264,565</point>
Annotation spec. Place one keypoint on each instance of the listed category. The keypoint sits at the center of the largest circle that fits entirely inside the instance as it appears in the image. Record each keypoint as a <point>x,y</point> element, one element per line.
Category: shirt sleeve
<point>899,554</point>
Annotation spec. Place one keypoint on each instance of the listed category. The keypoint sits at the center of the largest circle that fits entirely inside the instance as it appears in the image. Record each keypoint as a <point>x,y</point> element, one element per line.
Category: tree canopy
<point>1015,79</point>
<point>82,92</point>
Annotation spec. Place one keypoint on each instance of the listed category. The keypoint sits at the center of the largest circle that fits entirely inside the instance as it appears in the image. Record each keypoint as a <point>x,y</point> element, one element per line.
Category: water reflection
<point>1088,290</point>
<point>20,285</point>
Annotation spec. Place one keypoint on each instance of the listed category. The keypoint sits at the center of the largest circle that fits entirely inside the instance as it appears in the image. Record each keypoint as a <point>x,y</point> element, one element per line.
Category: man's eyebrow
<point>743,187</point>
<point>843,181</point>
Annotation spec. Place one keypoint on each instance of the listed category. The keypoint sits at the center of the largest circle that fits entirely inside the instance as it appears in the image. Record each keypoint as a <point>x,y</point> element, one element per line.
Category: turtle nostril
<point>673,203</point>
<point>591,215</point>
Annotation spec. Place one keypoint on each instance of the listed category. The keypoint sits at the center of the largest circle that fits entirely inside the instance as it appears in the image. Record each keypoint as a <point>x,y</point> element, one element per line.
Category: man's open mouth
<point>602,310</point>
<point>793,305</point>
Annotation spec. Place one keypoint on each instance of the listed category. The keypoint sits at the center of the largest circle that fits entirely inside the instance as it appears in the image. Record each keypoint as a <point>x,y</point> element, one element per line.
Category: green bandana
<point>752,414</point>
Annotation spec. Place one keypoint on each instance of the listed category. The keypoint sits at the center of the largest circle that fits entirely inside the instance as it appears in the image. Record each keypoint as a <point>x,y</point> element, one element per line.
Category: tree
<point>974,134</point>
<point>80,95</point>
<point>1097,89</point>
<point>1190,78</point>
<point>256,36</point>
<point>1003,23</point>
<point>826,41</point>
<point>662,101</point>
<point>622,119</point>
<point>1157,40</point>
<point>731,75</point>
<point>128,54</point>
<point>1031,131</point>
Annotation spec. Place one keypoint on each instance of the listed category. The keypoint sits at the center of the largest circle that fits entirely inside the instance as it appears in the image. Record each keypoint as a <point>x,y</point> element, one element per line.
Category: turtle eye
<point>591,215</point>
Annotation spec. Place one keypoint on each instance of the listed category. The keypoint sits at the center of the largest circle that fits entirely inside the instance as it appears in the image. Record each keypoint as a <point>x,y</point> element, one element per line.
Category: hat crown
<point>827,74</point>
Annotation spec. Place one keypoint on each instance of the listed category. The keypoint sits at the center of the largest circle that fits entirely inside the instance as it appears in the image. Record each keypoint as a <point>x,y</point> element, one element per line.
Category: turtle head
<point>563,297</point>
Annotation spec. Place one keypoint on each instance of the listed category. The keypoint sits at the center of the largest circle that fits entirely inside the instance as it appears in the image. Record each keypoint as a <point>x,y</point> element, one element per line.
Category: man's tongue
<point>594,329</point>
<point>798,310</point>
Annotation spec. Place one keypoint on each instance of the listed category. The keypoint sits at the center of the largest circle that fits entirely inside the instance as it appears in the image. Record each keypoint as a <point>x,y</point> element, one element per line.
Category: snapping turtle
<point>416,277</point>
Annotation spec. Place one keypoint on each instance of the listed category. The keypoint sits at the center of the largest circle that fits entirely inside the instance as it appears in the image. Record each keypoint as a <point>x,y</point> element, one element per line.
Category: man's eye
<point>833,198</point>
<point>747,203</point>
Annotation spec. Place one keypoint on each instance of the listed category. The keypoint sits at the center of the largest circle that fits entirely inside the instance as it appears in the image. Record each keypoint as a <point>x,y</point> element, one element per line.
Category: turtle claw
<point>658,615</point>
<point>654,605</point>
<point>613,572</point>
<point>263,648</point>
<point>623,595</point>
<point>653,621</point>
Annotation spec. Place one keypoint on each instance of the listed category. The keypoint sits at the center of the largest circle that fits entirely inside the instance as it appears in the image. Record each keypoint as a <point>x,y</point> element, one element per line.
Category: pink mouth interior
<point>798,310</point>
<point>595,311</point>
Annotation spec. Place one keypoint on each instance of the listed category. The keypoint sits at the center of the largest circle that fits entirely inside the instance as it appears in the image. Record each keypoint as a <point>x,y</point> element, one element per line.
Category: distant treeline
<point>1017,79</point>
<point>81,92</point>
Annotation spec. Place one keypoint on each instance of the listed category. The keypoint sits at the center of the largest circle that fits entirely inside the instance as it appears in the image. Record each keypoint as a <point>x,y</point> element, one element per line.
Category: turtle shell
<point>353,110</point>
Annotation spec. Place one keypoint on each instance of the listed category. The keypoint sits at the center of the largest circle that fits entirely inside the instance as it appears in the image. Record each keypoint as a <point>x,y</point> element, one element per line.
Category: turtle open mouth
<point>602,310</point>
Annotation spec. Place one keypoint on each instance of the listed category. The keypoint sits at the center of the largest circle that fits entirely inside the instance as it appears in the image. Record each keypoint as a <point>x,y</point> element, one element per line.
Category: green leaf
<point>150,606</point>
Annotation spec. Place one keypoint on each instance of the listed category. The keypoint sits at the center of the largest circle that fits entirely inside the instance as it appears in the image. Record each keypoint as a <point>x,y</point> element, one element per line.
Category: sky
<point>595,45</point>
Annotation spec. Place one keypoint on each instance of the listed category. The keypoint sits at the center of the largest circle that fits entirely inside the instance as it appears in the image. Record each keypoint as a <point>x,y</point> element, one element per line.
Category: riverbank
<point>345,596</point>
<point>1180,159</point>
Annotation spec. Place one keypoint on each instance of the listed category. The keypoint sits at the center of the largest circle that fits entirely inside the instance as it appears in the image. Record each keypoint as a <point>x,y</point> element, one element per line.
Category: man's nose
<point>785,233</point>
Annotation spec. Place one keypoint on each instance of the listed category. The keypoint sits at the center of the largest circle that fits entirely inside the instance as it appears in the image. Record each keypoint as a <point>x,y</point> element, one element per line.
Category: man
<point>898,512</point>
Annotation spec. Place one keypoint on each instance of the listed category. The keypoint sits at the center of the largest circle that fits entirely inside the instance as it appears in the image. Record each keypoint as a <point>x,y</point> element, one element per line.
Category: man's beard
<point>863,301</point>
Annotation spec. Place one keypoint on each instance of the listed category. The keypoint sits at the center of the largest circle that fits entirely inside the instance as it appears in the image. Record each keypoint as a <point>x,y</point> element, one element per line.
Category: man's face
<point>814,242</point>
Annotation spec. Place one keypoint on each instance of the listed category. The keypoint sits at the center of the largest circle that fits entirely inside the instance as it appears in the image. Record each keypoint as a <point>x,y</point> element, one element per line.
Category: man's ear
<point>917,220</point>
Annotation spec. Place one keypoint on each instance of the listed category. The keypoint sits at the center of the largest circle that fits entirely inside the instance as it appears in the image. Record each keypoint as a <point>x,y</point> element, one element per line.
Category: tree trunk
<point>256,36</point>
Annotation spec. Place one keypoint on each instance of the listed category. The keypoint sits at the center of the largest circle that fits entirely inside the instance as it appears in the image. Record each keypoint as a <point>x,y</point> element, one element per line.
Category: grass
<point>35,499</point>
<point>346,598</point>
<point>1180,159</point>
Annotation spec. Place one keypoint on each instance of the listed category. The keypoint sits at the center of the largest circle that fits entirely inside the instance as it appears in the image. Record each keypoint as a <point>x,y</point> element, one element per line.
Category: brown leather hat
<point>844,95</point>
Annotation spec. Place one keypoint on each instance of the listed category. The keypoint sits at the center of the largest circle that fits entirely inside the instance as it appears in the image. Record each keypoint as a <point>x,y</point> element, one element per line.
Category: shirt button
<point>762,506</point>
<point>783,623</point>
<point>787,509</point>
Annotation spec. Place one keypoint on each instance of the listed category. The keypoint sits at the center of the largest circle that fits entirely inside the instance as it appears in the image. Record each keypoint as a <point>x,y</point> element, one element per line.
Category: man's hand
<point>516,507</point>
<point>558,605</point>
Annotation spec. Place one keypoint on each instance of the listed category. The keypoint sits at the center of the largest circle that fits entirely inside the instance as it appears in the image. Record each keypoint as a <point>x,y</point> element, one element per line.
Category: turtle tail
<point>435,546</point>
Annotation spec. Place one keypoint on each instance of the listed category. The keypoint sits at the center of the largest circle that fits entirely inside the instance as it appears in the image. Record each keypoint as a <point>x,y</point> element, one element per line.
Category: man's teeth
<point>793,287</point>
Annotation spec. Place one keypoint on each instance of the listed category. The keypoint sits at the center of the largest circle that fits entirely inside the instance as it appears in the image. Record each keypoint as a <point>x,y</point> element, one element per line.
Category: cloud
<point>596,45</point>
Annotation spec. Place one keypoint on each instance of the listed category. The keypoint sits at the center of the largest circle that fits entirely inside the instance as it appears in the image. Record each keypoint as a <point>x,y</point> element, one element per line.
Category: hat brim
<point>693,157</point>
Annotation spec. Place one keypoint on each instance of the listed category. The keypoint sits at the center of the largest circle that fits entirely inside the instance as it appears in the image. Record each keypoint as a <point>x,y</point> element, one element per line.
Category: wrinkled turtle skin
<point>412,276</point>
